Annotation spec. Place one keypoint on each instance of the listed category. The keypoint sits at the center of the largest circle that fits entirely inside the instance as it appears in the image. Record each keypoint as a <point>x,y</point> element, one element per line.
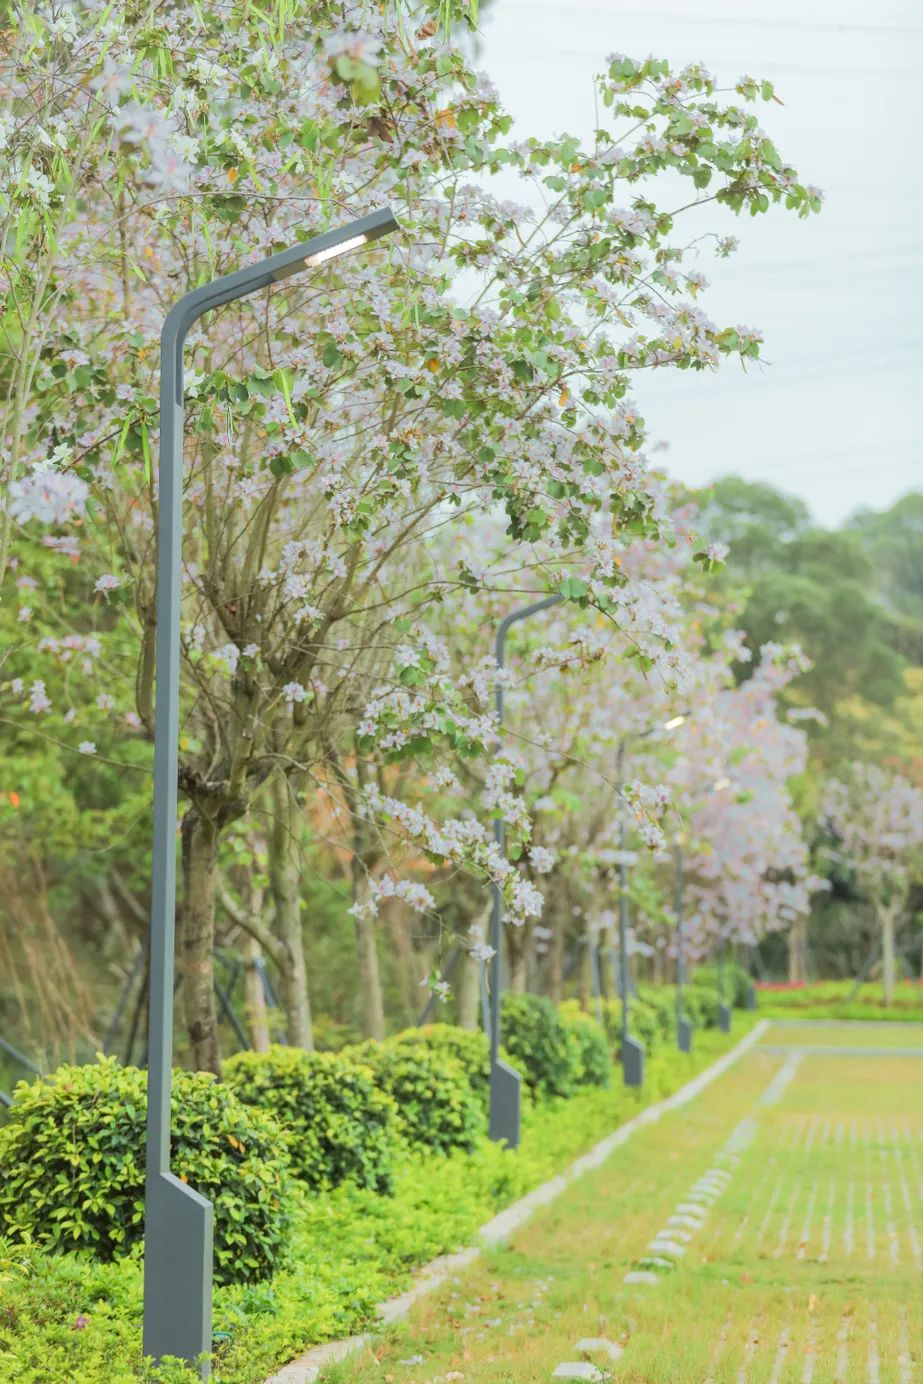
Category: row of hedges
<point>652,1012</point>
<point>72,1151</point>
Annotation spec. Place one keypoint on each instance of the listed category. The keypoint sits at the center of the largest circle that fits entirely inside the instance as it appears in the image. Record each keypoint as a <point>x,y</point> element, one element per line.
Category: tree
<point>333,425</point>
<point>876,818</point>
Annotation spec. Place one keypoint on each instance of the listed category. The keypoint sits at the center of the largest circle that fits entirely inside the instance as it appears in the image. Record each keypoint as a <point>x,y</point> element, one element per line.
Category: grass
<point>833,999</point>
<point>807,1267</point>
<point>870,1034</point>
<point>63,1318</point>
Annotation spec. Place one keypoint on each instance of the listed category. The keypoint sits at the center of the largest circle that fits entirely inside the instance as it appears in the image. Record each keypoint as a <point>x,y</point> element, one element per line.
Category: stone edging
<point>307,1367</point>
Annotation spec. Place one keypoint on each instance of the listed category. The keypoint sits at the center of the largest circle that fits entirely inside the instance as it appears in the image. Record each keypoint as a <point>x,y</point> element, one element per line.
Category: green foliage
<point>468,1047</point>
<point>350,1250</point>
<point>735,979</point>
<point>544,1048</point>
<point>700,1004</point>
<point>834,593</point>
<point>644,1024</point>
<point>834,999</point>
<point>437,1108</point>
<point>660,1002</point>
<point>595,1063</point>
<point>337,1123</point>
<point>72,1166</point>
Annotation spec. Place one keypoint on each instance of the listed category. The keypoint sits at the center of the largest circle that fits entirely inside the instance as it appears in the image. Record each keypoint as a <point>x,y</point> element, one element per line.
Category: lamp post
<point>724,1010</point>
<point>178,1220</point>
<point>505,1081</point>
<point>683,1026</point>
<point>631,1052</point>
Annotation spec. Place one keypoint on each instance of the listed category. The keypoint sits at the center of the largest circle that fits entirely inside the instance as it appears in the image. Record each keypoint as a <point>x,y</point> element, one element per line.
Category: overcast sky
<point>837,416</point>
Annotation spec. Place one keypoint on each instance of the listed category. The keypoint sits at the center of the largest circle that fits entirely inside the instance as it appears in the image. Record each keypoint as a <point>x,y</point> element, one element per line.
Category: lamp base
<point>505,1103</point>
<point>632,1062</point>
<point>177,1272</point>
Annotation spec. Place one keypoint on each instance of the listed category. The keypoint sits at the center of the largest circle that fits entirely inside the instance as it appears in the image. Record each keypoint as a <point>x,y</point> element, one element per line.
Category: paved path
<point>772,1232</point>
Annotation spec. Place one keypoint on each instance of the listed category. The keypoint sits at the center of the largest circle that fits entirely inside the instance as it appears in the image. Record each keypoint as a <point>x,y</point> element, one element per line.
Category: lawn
<point>794,1187</point>
<point>845,1035</point>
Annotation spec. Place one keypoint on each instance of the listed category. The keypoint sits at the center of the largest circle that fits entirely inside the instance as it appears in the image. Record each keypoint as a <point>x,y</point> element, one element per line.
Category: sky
<point>836,414</point>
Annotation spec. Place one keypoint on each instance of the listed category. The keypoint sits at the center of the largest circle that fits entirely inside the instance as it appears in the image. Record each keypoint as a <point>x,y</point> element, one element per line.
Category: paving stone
<point>640,1276</point>
<point>667,1247</point>
<point>577,1369</point>
<point>594,1345</point>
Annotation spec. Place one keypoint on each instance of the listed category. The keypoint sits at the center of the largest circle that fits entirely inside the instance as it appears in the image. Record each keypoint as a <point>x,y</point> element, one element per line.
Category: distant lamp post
<point>505,1081</point>
<point>724,1009</point>
<point>177,1220</point>
<point>683,1026</point>
<point>632,1050</point>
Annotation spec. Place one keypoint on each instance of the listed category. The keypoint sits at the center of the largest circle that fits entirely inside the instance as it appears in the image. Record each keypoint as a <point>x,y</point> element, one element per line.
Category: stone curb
<point>307,1368</point>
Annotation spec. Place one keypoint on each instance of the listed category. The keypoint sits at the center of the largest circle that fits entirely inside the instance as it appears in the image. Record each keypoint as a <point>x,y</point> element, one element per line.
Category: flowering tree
<point>876,818</point>
<point>335,424</point>
<point>746,858</point>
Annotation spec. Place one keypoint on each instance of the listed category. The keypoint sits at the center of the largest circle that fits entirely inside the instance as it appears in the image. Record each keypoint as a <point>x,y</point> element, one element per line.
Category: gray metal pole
<point>683,1027</point>
<point>632,1052</point>
<point>623,928</point>
<point>505,1082</point>
<point>178,1221</point>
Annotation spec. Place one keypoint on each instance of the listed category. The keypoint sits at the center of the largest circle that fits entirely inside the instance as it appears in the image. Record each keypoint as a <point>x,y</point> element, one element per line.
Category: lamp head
<point>332,244</point>
<point>674,723</point>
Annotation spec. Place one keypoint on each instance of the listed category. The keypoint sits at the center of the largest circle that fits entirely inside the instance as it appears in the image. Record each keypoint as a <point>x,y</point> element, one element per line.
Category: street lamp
<point>683,1026</point>
<point>505,1081</point>
<point>724,1010</point>
<point>632,1052</point>
<point>177,1219</point>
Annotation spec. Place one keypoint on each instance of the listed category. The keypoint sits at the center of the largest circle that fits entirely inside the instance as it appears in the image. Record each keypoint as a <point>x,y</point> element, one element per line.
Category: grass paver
<point>793,1189</point>
<point>857,1034</point>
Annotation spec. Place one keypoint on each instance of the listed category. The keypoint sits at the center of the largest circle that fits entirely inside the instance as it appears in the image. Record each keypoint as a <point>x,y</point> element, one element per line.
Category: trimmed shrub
<point>72,1166</point>
<point>736,981</point>
<point>468,1047</point>
<point>644,1024</point>
<point>595,1067</point>
<point>339,1126</point>
<point>701,1005</point>
<point>436,1107</point>
<point>662,1004</point>
<point>540,1044</point>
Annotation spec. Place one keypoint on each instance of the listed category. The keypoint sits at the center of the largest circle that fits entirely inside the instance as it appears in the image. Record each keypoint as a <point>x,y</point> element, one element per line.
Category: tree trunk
<point>516,941</point>
<point>197,939</point>
<point>254,996</point>
<point>372,1002</point>
<point>556,961</point>
<point>285,884</point>
<point>798,951</point>
<point>888,919</point>
<point>408,983</point>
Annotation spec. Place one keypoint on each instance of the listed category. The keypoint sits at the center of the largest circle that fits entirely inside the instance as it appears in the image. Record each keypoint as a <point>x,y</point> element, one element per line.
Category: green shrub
<point>593,1050</point>
<point>700,1003</point>
<point>540,1044</point>
<point>72,1166</point>
<point>735,979</point>
<point>338,1124</point>
<point>644,1024</point>
<point>436,1107</point>
<point>661,1002</point>
<point>469,1047</point>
